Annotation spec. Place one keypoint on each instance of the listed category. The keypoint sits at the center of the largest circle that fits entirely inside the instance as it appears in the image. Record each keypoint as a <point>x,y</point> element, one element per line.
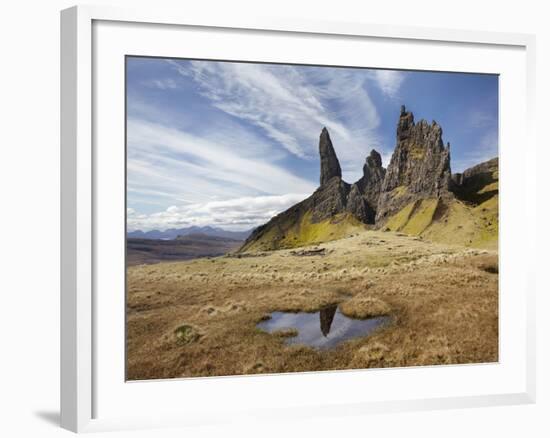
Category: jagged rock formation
<point>330,212</point>
<point>419,167</point>
<point>364,194</point>
<point>330,166</point>
<point>416,195</point>
<point>476,184</point>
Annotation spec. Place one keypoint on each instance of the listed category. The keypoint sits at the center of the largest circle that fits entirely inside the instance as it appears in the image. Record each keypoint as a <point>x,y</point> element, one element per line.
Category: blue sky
<point>231,144</point>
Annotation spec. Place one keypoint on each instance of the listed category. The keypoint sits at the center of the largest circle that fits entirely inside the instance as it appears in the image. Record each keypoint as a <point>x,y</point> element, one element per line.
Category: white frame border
<point>77,199</point>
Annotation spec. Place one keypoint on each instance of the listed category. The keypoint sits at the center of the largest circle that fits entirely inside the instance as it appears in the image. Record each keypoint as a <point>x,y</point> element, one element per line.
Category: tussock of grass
<point>185,334</point>
<point>371,355</point>
<point>362,307</point>
<point>308,300</point>
<point>286,333</point>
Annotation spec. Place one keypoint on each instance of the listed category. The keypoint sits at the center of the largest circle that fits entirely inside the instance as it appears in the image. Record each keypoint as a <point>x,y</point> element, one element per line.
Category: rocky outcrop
<point>478,183</point>
<point>328,200</point>
<point>363,200</point>
<point>419,167</point>
<point>357,205</point>
<point>330,167</point>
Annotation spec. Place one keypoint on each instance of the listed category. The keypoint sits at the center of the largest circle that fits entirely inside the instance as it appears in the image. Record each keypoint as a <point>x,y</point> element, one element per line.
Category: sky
<point>230,144</point>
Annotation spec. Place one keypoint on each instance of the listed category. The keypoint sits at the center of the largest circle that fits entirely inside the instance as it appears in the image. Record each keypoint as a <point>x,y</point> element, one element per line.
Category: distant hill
<point>173,233</point>
<point>191,246</point>
<point>417,194</point>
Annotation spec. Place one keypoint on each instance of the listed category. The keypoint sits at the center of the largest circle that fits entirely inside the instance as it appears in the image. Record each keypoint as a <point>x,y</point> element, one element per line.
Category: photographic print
<point>297,218</point>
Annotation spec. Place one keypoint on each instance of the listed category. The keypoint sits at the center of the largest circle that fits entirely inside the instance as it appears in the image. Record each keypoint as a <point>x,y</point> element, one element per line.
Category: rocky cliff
<point>365,193</point>
<point>419,167</point>
<point>476,184</point>
<point>416,194</point>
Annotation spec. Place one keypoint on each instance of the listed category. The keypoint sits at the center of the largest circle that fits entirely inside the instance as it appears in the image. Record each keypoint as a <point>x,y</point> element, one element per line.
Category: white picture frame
<point>82,371</point>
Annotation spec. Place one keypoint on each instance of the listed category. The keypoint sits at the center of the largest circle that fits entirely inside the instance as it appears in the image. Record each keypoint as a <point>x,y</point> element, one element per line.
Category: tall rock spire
<point>330,167</point>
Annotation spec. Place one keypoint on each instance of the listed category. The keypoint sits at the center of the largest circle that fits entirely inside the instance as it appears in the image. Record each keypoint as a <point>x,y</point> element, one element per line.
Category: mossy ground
<point>309,233</point>
<point>457,223</point>
<point>422,218</point>
<point>400,219</point>
<point>306,232</point>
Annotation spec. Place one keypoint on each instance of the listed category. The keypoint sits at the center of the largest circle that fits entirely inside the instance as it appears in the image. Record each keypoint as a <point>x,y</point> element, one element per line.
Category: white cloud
<point>291,105</point>
<point>389,82</point>
<point>233,214</point>
<point>163,84</point>
<point>184,162</point>
<point>205,159</point>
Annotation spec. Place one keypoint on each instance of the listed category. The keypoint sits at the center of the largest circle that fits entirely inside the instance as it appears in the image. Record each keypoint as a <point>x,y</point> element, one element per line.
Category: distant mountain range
<point>173,233</point>
<point>191,246</point>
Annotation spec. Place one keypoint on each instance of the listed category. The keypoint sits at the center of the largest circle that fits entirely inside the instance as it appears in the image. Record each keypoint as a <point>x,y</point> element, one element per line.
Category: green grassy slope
<point>470,218</point>
<point>304,231</point>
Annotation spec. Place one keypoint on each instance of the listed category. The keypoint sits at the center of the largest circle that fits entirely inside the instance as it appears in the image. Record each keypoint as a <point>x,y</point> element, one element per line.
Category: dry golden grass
<point>362,307</point>
<point>443,301</point>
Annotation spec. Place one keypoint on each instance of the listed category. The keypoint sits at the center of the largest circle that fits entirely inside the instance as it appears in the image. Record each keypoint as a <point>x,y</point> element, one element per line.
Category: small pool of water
<point>323,329</point>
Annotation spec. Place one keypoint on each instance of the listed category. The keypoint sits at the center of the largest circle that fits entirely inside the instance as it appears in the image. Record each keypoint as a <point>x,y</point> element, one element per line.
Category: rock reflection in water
<point>326,316</point>
<point>323,329</point>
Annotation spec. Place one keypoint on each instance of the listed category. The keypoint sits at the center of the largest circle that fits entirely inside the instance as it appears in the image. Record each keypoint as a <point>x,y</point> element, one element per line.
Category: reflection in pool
<point>323,329</point>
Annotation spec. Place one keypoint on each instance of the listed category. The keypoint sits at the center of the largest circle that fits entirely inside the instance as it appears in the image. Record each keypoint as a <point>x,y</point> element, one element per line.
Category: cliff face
<point>477,183</point>
<point>419,167</point>
<point>365,193</point>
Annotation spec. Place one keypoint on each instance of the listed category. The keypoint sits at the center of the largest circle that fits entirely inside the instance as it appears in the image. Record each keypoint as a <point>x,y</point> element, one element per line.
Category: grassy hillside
<point>452,222</point>
<point>469,219</point>
<point>304,231</point>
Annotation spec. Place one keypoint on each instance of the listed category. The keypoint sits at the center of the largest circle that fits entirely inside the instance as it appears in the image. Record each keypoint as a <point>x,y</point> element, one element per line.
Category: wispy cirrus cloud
<point>166,165</point>
<point>291,104</point>
<point>162,84</point>
<point>389,82</point>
